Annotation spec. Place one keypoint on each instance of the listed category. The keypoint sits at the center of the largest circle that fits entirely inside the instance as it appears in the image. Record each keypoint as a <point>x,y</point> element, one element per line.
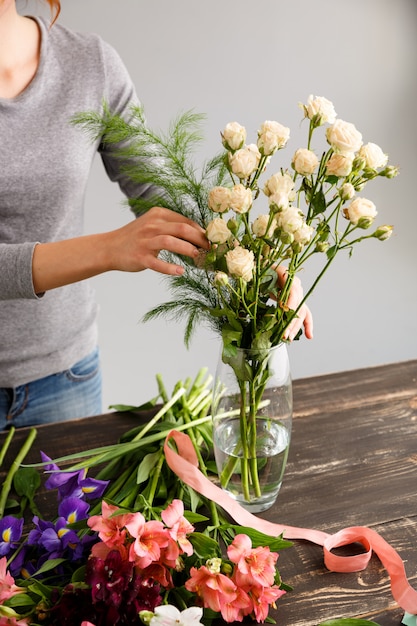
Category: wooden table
<point>353,462</point>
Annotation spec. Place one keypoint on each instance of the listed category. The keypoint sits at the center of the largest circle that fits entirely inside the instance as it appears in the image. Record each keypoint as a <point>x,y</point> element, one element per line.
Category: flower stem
<point>7,485</point>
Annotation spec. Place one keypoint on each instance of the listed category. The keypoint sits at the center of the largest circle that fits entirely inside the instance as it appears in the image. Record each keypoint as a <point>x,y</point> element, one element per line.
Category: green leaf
<point>26,481</point>
<point>49,565</point>
<point>260,539</point>
<point>146,466</point>
<point>318,202</point>
<point>127,407</point>
<point>205,547</point>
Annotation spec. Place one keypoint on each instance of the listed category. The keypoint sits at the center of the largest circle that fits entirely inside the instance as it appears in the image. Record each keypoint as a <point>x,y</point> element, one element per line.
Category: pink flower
<point>150,538</point>
<point>7,586</point>
<point>87,624</point>
<point>179,527</point>
<point>255,566</point>
<point>110,526</point>
<point>214,588</point>
<point>262,598</point>
<point>236,610</point>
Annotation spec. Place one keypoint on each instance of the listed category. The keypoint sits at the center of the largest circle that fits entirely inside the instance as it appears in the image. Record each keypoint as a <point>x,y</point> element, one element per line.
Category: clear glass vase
<point>252,419</point>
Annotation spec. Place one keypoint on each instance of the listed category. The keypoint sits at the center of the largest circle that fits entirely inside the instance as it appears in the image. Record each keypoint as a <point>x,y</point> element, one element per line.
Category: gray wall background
<point>250,61</point>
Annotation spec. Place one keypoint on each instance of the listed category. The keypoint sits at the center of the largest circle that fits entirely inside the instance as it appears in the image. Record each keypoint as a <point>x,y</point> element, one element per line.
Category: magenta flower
<point>10,534</point>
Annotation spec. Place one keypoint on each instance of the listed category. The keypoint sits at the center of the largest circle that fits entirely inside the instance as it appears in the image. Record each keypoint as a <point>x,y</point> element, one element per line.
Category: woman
<point>49,365</point>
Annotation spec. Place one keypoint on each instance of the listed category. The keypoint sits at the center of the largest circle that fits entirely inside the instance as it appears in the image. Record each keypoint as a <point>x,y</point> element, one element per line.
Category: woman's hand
<point>304,316</point>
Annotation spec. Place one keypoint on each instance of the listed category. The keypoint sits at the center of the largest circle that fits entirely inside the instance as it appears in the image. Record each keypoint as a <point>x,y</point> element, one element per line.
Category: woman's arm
<point>131,248</point>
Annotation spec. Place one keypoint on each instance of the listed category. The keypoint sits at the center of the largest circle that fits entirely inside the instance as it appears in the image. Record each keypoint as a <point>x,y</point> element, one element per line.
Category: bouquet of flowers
<point>312,208</point>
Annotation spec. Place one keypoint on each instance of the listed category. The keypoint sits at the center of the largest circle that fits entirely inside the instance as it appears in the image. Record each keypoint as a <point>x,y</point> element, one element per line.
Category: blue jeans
<point>70,394</point>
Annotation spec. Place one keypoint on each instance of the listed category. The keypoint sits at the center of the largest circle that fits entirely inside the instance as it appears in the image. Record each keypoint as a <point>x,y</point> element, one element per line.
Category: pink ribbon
<point>184,463</point>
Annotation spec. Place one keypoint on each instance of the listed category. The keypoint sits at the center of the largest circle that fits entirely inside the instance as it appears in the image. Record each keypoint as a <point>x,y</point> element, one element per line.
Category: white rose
<point>303,234</point>
<point>240,199</point>
<point>244,162</point>
<point>321,109</point>
<point>279,183</point>
<point>240,263</point>
<point>343,137</point>
<point>347,191</point>
<point>361,212</point>
<point>304,161</point>
<point>260,225</point>
<point>373,156</point>
<point>272,136</point>
<point>219,199</point>
<point>340,165</point>
<point>279,201</point>
<point>290,220</point>
<point>221,279</point>
<point>217,231</point>
<point>233,136</point>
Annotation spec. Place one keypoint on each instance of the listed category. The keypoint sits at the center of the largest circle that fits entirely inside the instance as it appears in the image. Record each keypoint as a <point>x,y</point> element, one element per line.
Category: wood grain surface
<point>352,462</point>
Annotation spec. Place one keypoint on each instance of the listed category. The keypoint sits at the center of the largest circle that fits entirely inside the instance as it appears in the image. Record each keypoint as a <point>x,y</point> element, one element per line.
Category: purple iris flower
<point>71,484</point>
<point>10,534</point>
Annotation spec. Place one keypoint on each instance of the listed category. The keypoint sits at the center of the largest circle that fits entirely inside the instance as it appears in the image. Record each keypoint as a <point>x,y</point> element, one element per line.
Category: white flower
<point>240,263</point>
<point>303,234</point>
<point>279,183</point>
<point>340,164</point>
<point>234,136</point>
<point>221,279</point>
<point>272,136</point>
<point>321,109</point>
<point>240,199</point>
<point>217,231</point>
<point>260,225</point>
<point>219,199</point>
<point>290,220</point>
<point>347,191</point>
<point>168,615</point>
<point>383,232</point>
<point>343,137</point>
<point>279,201</point>
<point>361,212</point>
<point>373,156</point>
<point>244,162</point>
<point>304,161</point>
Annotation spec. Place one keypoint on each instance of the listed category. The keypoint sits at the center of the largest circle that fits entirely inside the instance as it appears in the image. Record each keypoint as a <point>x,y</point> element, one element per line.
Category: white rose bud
<point>373,156</point>
<point>303,234</point>
<point>219,199</point>
<point>343,137</point>
<point>320,110</point>
<point>217,231</point>
<point>221,279</point>
<point>234,136</point>
<point>340,165</point>
<point>272,136</point>
<point>290,220</point>
<point>347,191</point>
<point>240,199</point>
<point>383,232</point>
<point>260,225</point>
<point>244,162</point>
<point>279,201</point>
<point>305,162</point>
<point>240,263</point>
<point>279,183</point>
<point>361,212</point>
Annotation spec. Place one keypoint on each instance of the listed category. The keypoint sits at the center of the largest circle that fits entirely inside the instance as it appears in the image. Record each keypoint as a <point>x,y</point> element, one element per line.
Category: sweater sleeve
<point>121,96</point>
<point>16,274</point>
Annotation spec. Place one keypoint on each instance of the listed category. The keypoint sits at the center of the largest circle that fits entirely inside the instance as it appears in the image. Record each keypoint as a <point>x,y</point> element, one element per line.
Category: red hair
<point>55,8</point>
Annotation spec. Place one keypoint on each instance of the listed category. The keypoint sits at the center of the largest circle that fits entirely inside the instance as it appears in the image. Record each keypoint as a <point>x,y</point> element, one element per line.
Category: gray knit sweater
<point>44,168</point>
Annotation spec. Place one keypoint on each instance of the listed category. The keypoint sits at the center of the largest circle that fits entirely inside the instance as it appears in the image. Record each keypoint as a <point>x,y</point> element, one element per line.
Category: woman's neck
<point>20,41</point>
